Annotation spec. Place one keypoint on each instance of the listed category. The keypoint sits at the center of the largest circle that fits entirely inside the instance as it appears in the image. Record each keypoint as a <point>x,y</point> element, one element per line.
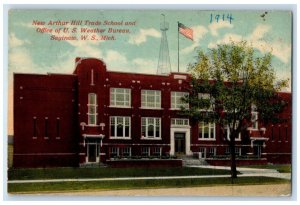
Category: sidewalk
<point>247,172</point>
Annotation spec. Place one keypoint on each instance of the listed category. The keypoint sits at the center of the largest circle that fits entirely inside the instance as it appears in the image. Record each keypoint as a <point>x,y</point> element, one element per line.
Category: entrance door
<point>179,143</point>
<point>92,150</point>
<point>257,151</point>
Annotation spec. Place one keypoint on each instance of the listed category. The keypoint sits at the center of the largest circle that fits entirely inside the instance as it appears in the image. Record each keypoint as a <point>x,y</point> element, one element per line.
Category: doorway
<point>179,143</point>
<point>92,152</point>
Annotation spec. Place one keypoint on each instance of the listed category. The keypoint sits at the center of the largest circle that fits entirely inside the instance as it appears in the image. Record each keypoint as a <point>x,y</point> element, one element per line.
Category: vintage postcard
<point>150,102</point>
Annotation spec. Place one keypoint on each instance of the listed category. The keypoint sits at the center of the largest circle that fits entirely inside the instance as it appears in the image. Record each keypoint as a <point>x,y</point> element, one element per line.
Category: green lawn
<point>73,173</point>
<point>10,155</point>
<point>282,168</point>
<point>138,184</point>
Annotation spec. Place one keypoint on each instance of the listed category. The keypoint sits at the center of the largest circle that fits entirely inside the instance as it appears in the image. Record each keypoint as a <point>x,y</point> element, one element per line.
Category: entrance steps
<point>190,161</point>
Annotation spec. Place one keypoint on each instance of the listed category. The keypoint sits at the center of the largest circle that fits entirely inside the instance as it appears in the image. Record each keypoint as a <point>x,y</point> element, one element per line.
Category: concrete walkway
<point>247,172</point>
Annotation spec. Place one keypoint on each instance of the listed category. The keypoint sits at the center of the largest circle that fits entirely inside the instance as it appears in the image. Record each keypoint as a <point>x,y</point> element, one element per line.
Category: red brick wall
<point>45,96</point>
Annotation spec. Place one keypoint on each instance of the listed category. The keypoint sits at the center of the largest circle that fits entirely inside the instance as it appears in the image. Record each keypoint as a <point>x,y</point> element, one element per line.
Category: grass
<point>138,184</point>
<point>74,173</point>
<point>10,155</point>
<point>282,168</point>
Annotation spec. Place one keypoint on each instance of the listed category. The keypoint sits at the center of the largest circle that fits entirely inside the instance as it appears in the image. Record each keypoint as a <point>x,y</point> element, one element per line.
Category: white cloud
<point>16,42</point>
<point>259,32</point>
<point>278,48</point>
<point>228,38</point>
<point>145,65</point>
<point>214,27</point>
<point>257,39</point>
<point>141,36</point>
<point>115,60</point>
<point>19,60</point>
<point>198,33</point>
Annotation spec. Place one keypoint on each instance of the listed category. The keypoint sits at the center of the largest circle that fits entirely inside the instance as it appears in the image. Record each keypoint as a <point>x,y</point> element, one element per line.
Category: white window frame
<point>176,98</point>
<point>206,96</point>
<point>125,151</point>
<point>254,117</point>
<point>254,120</point>
<point>157,151</point>
<point>227,130</point>
<point>92,106</point>
<point>126,92</point>
<point>212,151</point>
<point>114,119</point>
<point>146,120</point>
<point>202,152</point>
<point>210,126</point>
<point>227,150</point>
<point>117,151</point>
<point>238,151</point>
<point>180,122</point>
<point>143,151</point>
<point>146,95</point>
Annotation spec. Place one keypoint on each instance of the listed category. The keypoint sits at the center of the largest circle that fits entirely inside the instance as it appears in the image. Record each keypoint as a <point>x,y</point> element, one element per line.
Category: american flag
<point>186,31</point>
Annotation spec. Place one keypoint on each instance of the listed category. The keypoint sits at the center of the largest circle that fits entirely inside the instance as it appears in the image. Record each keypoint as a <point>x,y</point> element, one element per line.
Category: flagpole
<point>178,44</point>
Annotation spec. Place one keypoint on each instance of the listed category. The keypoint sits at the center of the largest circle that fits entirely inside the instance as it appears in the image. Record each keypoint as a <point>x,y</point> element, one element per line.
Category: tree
<point>228,83</point>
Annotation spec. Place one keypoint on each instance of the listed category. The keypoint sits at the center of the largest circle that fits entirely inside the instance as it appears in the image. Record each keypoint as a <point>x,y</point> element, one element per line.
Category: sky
<point>31,51</point>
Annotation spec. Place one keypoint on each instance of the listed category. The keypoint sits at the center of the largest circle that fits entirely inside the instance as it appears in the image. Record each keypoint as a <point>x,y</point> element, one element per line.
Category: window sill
<point>91,125</point>
<point>151,108</point>
<point>201,139</point>
<point>174,109</point>
<point>120,138</point>
<point>145,138</point>
<point>237,140</point>
<point>115,106</point>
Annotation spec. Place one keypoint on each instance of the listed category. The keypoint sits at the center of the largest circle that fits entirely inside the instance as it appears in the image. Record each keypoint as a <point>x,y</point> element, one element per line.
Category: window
<point>207,131</point>
<point>120,97</point>
<point>151,128</point>
<point>157,151</point>
<point>145,151</point>
<point>126,152</point>
<point>286,133</point>
<point>279,133</point>
<point>227,150</point>
<point>202,152</point>
<point>238,151</point>
<point>272,134</point>
<point>92,77</point>
<point>227,133</point>
<point>206,96</point>
<point>34,127</point>
<point>254,117</point>
<point>120,127</point>
<point>92,109</point>
<point>57,128</point>
<point>46,127</point>
<point>114,151</point>
<point>151,99</point>
<point>176,100</point>
<point>212,151</point>
<point>180,122</point>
